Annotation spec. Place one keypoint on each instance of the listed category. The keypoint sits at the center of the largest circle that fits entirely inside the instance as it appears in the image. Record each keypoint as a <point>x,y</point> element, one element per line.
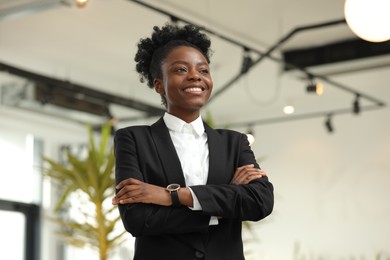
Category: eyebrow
<point>184,62</point>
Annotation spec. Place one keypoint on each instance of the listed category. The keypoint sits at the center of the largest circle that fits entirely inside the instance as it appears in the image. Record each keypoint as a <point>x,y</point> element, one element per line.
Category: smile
<point>194,90</point>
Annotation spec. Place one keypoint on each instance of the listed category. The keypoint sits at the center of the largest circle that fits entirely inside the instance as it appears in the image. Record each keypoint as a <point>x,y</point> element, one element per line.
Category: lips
<point>194,89</point>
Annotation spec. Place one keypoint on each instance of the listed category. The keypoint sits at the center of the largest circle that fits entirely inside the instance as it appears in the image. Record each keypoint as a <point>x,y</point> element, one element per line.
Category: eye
<point>204,71</point>
<point>180,69</point>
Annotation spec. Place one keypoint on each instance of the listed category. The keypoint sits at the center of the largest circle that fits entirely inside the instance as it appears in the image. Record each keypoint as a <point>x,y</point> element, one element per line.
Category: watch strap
<point>175,199</point>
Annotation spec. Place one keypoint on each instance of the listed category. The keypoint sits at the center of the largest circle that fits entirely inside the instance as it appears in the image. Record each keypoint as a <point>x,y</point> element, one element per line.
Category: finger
<point>128,181</point>
<point>264,173</point>
<point>132,196</point>
<point>127,201</point>
<point>247,175</point>
<point>252,177</point>
<point>114,201</point>
<point>240,171</point>
<point>126,189</point>
<point>244,167</point>
<point>122,184</point>
<point>255,171</point>
<point>239,179</point>
<point>135,198</point>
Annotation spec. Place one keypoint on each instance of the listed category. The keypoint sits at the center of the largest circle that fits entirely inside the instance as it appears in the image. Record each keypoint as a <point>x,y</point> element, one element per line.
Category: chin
<point>196,105</point>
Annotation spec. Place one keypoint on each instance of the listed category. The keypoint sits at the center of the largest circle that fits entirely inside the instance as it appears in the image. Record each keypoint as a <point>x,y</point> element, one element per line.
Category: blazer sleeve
<point>148,219</point>
<point>253,201</point>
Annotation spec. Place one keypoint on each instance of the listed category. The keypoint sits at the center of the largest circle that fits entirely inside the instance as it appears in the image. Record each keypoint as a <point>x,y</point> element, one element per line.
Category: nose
<point>194,75</point>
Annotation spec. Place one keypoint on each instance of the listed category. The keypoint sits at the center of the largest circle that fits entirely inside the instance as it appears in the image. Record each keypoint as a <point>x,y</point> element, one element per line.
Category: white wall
<point>332,190</point>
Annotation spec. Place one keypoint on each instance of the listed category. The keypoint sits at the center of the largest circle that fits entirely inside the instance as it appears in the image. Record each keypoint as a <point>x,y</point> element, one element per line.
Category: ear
<point>158,86</point>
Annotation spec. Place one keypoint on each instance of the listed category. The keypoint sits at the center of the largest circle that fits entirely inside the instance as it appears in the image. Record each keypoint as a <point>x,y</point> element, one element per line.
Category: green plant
<point>91,181</point>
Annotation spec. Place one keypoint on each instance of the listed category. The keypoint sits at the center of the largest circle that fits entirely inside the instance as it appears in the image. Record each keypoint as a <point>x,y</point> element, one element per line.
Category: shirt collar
<point>176,124</point>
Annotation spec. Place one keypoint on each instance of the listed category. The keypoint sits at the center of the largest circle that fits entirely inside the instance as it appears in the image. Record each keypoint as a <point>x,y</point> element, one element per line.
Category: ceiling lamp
<point>369,19</point>
<point>247,61</point>
<point>315,87</point>
<point>81,3</point>
<point>356,105</point>
<point>288,109</point>
<point>328,124</point>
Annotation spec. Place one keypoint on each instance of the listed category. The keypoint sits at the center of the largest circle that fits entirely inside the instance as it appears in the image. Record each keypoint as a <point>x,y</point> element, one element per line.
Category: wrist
<point>173,190</point>
<point>185,197</point>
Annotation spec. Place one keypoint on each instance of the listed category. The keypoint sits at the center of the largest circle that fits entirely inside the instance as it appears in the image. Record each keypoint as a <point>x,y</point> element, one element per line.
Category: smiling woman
<point>181,185</point>
<point>186,82</point>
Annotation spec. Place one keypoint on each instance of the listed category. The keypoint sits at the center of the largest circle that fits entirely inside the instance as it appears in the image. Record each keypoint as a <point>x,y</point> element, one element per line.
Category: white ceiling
<point>94,46</point>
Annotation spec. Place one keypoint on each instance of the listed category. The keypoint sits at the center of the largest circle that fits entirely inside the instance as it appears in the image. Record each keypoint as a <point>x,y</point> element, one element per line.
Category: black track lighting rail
<point>282,119</point>
<point>268,54</point>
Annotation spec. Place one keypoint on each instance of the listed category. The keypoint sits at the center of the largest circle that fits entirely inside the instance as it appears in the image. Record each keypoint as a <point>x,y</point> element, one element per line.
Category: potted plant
<point>91,180</point>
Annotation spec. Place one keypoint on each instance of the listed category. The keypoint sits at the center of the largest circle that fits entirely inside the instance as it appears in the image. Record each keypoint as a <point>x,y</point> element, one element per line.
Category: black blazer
<point>148,154</point>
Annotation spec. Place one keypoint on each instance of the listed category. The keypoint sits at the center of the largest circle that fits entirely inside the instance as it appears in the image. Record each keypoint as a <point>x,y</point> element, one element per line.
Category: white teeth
<point>193,90</point>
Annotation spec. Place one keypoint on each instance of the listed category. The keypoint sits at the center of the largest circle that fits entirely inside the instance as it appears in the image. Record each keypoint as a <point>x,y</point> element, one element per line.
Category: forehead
<point>185,54</point>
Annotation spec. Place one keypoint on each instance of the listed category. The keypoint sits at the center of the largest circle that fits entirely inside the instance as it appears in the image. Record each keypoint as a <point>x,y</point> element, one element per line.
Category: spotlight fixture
<point>328,124</point>
<point>174,19</point>
<point>356,105</point>
<point>315,87</point>
<point>247,61</point>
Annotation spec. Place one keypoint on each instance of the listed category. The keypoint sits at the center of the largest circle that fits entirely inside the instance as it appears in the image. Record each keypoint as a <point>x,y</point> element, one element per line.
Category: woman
<point>183,188</point>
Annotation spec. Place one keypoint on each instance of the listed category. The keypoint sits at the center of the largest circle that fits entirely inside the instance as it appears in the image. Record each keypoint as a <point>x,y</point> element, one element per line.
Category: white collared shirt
<point>190,141</point>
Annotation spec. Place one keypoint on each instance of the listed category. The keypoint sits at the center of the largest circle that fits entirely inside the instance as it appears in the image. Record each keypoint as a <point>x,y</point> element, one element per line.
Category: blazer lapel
<point>167,153</point>
<point>217,153</point>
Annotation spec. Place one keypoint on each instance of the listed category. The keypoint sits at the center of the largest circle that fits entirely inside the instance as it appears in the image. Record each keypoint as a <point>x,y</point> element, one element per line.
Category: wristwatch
<point>173,190</point>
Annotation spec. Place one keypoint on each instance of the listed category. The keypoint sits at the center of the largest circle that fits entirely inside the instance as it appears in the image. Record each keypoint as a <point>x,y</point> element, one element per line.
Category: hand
<point>247,173</point>
<point>135,191</point>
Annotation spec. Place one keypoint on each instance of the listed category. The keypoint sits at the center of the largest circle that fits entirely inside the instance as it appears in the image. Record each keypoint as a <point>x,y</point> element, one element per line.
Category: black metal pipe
<point>268,53</point>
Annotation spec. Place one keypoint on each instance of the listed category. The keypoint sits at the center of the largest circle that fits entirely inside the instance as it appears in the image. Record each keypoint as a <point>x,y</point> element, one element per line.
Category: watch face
<point>173,187</point>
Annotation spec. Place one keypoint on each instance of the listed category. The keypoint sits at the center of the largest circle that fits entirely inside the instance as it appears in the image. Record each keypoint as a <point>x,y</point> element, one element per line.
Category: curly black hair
<point>152,51</point>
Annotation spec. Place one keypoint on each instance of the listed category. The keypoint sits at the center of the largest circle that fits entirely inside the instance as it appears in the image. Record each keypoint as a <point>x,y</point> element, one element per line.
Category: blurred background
<point>311,88</point>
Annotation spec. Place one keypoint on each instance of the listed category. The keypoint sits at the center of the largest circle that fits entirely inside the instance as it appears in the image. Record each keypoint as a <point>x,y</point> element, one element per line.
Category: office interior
<point>296,75</point>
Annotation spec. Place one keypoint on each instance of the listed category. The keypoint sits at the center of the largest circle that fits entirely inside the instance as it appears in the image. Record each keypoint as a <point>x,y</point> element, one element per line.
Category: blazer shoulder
<point>228,133</point>
<point>132,130</point>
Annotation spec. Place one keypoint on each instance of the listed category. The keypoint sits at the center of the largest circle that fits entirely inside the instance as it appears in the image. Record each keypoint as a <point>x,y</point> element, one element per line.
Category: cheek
<point>169,88</point>
<point>209,82</point>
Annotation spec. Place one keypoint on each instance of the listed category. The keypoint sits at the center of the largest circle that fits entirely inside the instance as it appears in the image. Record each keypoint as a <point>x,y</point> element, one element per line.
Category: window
<point>20,189</point>
<point>12,226</point>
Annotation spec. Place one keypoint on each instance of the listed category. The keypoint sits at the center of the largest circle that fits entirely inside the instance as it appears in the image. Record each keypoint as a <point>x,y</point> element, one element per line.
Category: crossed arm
<point>135,191</point>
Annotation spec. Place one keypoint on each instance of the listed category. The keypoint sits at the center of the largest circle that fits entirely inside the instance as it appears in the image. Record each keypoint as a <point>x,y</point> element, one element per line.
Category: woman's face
<point>186,81</point>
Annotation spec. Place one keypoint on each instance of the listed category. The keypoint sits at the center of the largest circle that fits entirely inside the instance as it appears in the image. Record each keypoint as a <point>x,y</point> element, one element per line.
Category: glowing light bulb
<point>289,109</point>
<point>251,138</point>
<point>81,3</point>
<point>369,19</point>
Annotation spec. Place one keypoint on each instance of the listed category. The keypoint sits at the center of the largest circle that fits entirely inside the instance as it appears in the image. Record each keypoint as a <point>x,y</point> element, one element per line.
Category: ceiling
<point>93,47</point>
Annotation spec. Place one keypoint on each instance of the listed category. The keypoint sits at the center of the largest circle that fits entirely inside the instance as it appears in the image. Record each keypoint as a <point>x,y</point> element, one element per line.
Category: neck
<point>187,117</point>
